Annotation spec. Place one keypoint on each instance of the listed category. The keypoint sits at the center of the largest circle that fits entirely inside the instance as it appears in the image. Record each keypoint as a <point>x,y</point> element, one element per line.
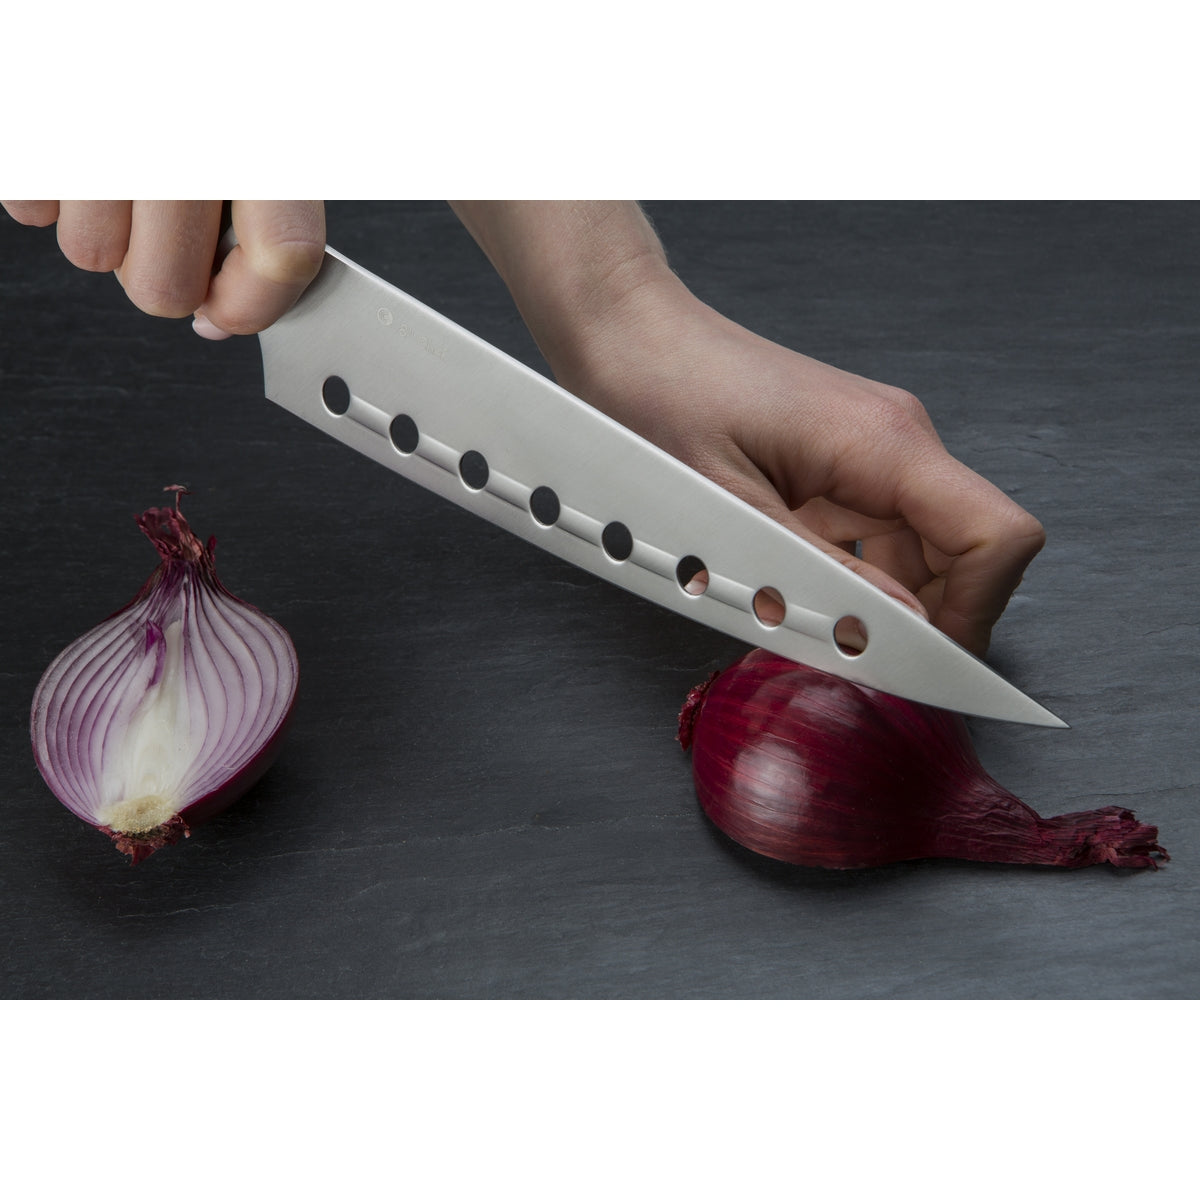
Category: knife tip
<point>1033,713</point>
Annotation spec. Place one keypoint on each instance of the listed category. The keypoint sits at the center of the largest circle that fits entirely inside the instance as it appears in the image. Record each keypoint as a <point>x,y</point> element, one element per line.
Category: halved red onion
<point>172,708</point>
<point>799,765</point>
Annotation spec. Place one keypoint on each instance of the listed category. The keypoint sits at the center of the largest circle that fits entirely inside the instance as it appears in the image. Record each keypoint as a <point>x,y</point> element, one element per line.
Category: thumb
<point>280,244</point>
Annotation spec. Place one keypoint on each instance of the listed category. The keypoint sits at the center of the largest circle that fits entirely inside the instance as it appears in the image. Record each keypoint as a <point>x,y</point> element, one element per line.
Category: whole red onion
<point>168,711</point>
<point>802,766</point>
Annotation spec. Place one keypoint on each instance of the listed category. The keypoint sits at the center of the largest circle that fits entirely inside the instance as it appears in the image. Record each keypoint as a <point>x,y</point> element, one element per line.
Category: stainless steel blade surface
<point>397,381</point>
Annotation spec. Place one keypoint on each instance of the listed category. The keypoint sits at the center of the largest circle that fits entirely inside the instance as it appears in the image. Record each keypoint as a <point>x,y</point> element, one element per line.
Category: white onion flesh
<point>168,702</point>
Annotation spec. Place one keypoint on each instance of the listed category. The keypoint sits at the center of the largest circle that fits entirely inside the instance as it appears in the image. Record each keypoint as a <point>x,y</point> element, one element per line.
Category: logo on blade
<point>423,340</point>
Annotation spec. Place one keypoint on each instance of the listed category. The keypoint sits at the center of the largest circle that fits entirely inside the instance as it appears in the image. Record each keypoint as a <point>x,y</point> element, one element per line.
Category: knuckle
<point>89,253</point>
<point>38,213</point>
<point>1016,535</point>
<point>906,405</point>
<point>162,297</point>
<point>1027,530</point>
<point>898,414</point>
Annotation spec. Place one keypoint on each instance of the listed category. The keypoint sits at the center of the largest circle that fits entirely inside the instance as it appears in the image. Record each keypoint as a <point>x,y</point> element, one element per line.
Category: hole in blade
<point>544,505</point>
<point>336,395</point>
<point>473,470</point>
<point>850,636</point>
<point>769,607</point>
<point>404,433</point>
<point>692,575</point>
<point>617,541</point>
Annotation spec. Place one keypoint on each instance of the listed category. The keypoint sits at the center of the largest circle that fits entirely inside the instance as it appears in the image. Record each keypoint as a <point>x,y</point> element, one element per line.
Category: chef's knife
<point>402,384</point>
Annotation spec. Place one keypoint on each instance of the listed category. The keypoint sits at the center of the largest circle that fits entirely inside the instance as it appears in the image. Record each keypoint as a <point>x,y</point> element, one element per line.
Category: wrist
<point>576,269</point>
<point>594,321</point>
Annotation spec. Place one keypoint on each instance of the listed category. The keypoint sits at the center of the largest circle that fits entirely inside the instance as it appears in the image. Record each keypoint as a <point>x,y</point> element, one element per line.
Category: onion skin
<point>202,678</point>
<point>807,768</point>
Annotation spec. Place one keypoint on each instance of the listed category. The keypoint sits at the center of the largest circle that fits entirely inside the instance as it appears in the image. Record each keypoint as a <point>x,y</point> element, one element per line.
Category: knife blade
<point>399,382</point>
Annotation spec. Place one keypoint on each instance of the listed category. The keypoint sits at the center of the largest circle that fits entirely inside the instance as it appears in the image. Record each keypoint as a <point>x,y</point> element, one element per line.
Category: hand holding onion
<point>168,711</point>
<point>837,458</point>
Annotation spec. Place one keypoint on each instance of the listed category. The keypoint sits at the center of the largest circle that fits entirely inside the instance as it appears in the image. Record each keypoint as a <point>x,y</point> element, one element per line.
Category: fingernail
<point>206,329</point>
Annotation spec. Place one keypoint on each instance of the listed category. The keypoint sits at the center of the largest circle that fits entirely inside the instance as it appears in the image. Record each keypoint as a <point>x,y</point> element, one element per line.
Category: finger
<point>172,244</point>
<point>836,523</point>
<point>94,234</point>
<point>901,553</point>
<point>753,487</point>
<point>989,540</point>
<point>32,212</point>
<point>931,596</point>
<point>280,244</point>
<point>981,582</point>
<point>887,543</point>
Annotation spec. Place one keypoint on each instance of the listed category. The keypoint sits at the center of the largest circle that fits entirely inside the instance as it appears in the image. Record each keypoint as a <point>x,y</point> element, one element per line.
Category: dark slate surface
<point>481,795</point>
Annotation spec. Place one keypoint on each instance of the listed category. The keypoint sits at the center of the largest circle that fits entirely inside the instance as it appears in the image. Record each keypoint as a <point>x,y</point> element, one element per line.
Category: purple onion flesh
<point>802,766</point>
